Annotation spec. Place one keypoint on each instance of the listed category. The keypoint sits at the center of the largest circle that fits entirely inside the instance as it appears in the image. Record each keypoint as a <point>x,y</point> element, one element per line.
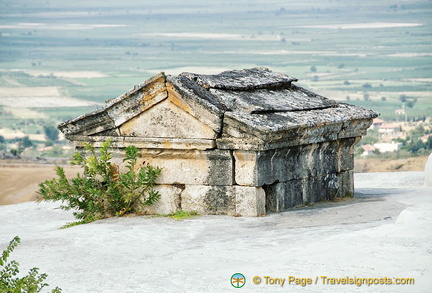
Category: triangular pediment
<point>154,109</point>
<point>166,120</point>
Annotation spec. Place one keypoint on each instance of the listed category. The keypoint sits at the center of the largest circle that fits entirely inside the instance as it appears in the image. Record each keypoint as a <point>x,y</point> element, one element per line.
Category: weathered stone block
<point>319,134</point>
<point>231,200</point>
<point>196,167</point>
<point>192,198</point>
<point>169,201</point>
<point>208,199</point>
<point>245,167</point>
<point>146,143</point>
<point>320,188</point>
<point>250,201</point>
<point>346,153</point>
<point>285,195</point>
<point>355,128</point>
<point>325,159</point>
<point>258,168</point>
<point>346,185</point>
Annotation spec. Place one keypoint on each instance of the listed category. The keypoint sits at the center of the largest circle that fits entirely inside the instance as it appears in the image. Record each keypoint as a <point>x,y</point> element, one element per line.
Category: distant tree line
<point>409,101</point>
<point>413,144</point>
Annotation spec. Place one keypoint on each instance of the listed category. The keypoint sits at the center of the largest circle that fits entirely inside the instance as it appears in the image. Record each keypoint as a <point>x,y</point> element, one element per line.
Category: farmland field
<point>60,54</point>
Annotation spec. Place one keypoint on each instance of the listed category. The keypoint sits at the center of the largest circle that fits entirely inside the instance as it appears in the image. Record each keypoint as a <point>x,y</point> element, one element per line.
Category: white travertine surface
<point>384,231</point>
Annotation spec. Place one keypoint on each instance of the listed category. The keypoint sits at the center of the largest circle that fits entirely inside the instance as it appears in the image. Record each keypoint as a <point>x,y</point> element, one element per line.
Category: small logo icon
<point>238,280</point>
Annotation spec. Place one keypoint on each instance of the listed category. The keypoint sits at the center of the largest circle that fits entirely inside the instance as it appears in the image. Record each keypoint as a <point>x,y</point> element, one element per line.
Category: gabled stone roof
<point>241,109</point>
<point>257,90</point>
<point>241,80</point>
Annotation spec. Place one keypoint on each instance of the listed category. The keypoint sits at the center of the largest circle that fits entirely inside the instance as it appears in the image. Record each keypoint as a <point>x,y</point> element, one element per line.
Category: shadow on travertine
<point>379,198</point>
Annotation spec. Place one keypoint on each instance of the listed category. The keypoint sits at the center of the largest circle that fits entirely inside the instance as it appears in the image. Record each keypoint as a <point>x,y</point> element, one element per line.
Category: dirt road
<point>371,165</point>
<point>19,182</point>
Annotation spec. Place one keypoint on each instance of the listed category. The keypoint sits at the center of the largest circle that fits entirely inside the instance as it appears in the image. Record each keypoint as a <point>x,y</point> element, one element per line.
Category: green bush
<point>102,191</point>
<point>31,283</point>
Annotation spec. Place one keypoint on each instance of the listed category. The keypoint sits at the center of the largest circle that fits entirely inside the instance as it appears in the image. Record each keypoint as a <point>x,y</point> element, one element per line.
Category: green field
<point>386,44</point>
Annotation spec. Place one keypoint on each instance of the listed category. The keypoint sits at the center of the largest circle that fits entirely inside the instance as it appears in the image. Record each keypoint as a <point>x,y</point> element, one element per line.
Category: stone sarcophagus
<point>242,142</point>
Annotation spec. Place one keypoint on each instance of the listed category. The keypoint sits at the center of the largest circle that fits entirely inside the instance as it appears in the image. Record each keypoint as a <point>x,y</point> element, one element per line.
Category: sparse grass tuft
<point>76,223</point>
<point>179,215</point>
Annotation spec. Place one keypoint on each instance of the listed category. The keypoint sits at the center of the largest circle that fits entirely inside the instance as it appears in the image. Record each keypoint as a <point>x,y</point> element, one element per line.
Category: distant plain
<point>86,50</point>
